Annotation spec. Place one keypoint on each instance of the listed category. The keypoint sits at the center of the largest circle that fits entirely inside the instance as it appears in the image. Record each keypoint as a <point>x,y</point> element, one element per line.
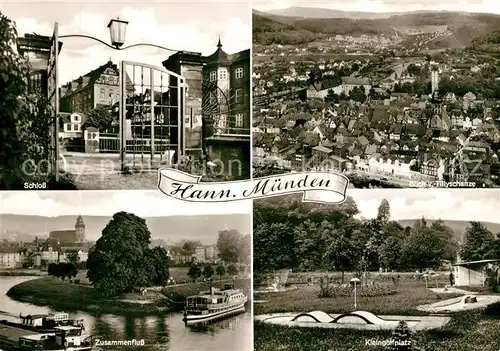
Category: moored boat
<point>214,304</point>
<point>64,338</point>
<point>44,323</point>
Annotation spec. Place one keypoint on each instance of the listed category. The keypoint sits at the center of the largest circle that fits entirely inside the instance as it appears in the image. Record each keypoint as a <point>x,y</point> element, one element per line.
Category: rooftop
<point>467,263</point>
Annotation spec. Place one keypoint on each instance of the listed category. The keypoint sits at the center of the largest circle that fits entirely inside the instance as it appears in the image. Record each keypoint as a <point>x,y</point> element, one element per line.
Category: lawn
<point>179,274</point>
<point>467,331</point>
<point>409,294</point>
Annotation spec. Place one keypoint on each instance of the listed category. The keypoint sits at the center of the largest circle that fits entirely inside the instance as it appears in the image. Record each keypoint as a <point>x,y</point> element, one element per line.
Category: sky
<point>489,6</point>
<point>179,25</point>
<point>453,204</point>
<point>151,203</point>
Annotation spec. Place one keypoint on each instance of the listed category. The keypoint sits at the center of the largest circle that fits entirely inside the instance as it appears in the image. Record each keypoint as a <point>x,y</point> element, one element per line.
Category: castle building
<point>76,236</point>
<point>98,87</point>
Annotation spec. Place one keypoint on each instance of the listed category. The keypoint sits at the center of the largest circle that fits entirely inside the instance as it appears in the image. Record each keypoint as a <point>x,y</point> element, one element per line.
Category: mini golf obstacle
<point>352,320</point>
<point>462,303</point>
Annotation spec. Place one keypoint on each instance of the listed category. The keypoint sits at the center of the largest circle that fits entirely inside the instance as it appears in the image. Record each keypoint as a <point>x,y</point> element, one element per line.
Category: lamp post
<point>355,281</point>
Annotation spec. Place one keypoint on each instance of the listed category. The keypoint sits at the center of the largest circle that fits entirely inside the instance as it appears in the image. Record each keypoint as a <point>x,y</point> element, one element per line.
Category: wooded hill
<point>271,28</point>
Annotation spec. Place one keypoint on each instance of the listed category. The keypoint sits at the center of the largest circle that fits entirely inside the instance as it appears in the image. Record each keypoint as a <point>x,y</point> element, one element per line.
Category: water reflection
<point>166,332</point>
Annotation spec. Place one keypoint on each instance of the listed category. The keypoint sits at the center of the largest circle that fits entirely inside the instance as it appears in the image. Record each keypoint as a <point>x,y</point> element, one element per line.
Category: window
<point>213,76</point>
<point>103,92</point>
<point>213,99</point>
<point>239,120</point>
<point>238,96</point>
<point>222,121</point>
<point>238,73</point>
<point>222,74</point>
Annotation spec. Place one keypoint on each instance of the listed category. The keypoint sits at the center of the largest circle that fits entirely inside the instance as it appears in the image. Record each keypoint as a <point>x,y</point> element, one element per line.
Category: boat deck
<point>9,336</point>
<point>13,333</point>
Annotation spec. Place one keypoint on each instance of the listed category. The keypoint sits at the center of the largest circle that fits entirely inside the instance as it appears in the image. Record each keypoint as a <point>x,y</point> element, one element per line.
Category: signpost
<point>53,96</point>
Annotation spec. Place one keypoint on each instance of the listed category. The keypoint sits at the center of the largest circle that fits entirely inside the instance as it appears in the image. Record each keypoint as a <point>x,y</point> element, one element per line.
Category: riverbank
<point>22,273</point>
<point>64,296</point>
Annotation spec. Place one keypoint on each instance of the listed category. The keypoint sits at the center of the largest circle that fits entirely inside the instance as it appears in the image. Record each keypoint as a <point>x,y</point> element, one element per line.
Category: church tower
<point>80,230</point>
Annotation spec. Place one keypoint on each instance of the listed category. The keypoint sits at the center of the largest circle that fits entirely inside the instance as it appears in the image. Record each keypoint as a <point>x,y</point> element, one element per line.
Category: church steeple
<point>219,45</point>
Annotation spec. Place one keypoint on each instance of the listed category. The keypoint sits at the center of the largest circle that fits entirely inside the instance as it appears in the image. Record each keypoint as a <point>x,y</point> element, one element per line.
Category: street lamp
<point>355,281</point>
<point>117,30</point>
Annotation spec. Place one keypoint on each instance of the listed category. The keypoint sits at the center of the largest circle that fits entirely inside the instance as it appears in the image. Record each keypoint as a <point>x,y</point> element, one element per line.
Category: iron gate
<point>151,108</point>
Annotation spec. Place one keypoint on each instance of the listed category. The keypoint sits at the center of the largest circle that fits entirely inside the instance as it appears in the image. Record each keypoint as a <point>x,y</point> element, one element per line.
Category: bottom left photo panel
<point>123,270</point>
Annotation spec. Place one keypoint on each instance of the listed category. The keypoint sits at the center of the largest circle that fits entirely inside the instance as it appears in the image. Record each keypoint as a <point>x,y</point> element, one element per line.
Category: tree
<point>447,237</point>
<point>72,257</point>
<point>116,263</point>
<point>208,271</point>
<point>194,272</point>
<point>479,243</point>
<point>391,252</point>
<point>228,244</point>
<point>26,118</point>
<point>344,245</point>
<point>159,263</point>
<point>100,118</point>
<point>384,212</point>
<point>220,270</point>
<point>424,248</point>
<point>189,247</point>
<point>245,249</point>
<point>232,270</point>
<point>29,262</point>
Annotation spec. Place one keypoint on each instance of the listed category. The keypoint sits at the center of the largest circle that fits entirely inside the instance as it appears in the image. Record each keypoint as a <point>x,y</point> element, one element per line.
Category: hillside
<point>312,12</point>
<point>458,226</point>
<point>454,29</point>
<point>170,229</point>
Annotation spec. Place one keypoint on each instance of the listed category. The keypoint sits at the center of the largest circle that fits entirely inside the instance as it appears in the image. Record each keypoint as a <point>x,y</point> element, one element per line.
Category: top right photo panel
<point>390,93</point>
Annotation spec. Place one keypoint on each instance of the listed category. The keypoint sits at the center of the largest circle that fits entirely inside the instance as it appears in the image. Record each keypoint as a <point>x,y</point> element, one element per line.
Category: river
<point>159,333</point>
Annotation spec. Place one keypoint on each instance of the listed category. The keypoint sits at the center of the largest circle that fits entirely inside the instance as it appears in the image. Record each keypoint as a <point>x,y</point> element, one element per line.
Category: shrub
<point>493,310</point>
<point>331,288</point>
<point>401,337</point>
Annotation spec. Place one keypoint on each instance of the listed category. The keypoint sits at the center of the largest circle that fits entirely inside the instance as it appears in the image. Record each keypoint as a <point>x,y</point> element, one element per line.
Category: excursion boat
<point>214,304</point>
<point>64,338</point>
<point>44,323</point>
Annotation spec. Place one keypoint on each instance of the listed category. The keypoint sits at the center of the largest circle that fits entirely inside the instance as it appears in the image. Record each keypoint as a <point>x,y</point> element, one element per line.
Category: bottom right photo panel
<point>387,269</point>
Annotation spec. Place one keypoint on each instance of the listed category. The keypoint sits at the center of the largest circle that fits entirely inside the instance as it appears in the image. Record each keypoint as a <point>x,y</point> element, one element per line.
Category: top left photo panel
<point>102,97</point>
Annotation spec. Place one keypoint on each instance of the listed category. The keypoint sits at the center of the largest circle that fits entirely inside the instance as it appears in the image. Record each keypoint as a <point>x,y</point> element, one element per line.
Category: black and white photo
<point>394,94</point>
<point>388,269</point>
<point>101,97</point>
<point>124,270</point>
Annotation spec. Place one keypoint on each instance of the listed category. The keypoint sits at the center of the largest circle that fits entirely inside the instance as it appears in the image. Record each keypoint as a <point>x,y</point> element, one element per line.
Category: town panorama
<point>389,100</point>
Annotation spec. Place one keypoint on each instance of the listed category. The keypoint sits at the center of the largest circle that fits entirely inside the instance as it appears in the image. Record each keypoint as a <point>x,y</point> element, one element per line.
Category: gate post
<point>122,114</point>
<point>153,93</point>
